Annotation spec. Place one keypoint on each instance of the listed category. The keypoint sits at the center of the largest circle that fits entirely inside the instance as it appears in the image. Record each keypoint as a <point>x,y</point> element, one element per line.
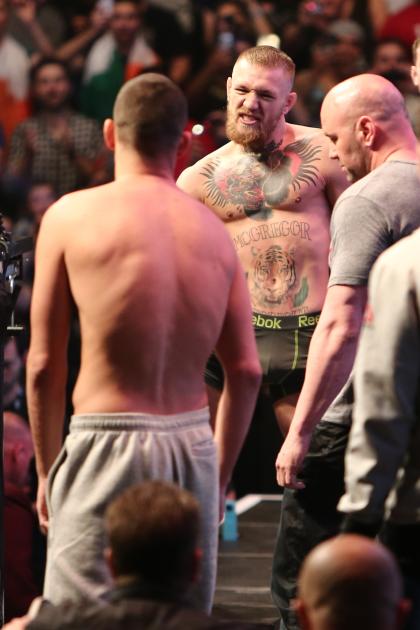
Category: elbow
<point>343,333</point>
<point>248,374</point>
<point>42,373</point>
<point>37,368</point>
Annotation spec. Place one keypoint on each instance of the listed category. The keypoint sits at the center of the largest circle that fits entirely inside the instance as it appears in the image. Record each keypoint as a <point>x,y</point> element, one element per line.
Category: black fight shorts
<point>283,345</point>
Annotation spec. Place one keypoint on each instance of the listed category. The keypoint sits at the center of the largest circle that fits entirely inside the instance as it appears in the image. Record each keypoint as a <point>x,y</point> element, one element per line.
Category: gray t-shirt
<point>369,217</point>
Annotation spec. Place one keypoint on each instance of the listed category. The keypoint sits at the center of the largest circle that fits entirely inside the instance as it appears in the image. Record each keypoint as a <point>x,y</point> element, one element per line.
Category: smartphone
<point>226,40</point>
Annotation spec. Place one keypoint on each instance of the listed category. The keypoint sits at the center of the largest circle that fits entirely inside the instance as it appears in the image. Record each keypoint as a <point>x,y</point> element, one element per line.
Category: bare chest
<point>254,187</point>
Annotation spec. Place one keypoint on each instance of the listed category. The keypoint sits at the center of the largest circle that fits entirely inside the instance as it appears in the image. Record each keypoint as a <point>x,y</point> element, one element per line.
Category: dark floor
<point>244,571</point>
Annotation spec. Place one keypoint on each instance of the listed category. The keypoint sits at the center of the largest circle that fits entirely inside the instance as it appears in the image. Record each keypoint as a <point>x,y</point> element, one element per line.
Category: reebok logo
<point>271,323</point>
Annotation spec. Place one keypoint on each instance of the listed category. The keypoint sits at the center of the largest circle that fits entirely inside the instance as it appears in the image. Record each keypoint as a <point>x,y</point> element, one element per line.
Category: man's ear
<point>414,75</point>
<point>184,144</point>
<point>228,87</point>
<point>291,100</point>
<point>366,130</point>
<point>109,134</point>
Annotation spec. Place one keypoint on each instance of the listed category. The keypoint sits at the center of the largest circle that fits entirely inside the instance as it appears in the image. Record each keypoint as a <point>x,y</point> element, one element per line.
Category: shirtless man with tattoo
<point>273,186</point>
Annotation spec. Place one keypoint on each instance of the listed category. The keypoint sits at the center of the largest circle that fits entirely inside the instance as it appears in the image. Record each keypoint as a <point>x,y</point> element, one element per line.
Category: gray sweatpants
<point>104,454</point>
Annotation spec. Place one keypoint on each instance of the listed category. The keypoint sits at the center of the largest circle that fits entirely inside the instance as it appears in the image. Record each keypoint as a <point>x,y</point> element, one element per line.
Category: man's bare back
<point>150,271</point>
<point>277,210</point>
<point>157,285</point>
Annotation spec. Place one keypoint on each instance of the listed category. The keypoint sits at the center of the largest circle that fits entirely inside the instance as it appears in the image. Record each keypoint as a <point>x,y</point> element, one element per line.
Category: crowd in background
<point>62,62</point>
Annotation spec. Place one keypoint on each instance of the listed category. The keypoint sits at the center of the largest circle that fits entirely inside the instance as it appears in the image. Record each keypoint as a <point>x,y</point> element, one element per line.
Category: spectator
<point>336,55</point>
<point>392,60</point>
<point>14,77</point>
<point>23,575</point>
<point>39,29</point>
<point>404,24</point>
<point>86,24</point>
<point>120,54</point>
<point>164,35</point>
<point>56,144</point>
<point>348,57</point>
<point>154,557</point>
<point>232,33</point>
<point>13,392</point>
<point>391,55</point>
<point>350,582</point>
<point>40,196</point>
<point>312,19</point>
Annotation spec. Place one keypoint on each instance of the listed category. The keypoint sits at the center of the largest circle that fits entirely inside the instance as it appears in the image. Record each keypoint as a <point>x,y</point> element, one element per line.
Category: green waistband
<point>289,322</point>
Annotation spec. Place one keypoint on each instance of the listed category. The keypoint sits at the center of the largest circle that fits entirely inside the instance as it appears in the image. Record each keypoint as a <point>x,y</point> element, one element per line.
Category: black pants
<point>404,542</point>
<point>309,516</point>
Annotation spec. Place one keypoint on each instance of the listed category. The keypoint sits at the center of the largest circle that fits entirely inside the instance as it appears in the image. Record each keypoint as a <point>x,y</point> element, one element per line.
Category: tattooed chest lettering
<point>298,229</point>
<point>253,185</point>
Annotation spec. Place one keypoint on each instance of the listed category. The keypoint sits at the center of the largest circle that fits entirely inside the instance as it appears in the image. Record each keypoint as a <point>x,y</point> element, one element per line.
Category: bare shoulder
<point>65,216</point>
<point>191,179</point>
<point>300,138</point>
<point>301,134</point>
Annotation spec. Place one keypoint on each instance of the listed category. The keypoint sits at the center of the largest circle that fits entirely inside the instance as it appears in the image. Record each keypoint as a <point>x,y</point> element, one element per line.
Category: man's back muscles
<point>151,273</point>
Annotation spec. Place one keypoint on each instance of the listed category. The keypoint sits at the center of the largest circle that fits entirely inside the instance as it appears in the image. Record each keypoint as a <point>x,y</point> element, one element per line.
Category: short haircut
<point>48,61</point>
<point>150,114</point>
<point>269,57</point>
<point>153,531</point>
<point>415,47</point>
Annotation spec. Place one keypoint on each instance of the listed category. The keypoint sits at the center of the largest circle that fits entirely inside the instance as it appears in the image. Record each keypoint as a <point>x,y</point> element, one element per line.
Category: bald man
<point>370,135</point>
<point>350,582</point>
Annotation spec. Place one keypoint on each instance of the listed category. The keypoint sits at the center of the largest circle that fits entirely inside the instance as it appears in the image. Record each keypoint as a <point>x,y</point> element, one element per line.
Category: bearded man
<point>274,186</point>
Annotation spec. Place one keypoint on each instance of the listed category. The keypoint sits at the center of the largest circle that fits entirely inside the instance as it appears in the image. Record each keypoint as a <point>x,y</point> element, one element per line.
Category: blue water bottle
<point>230,524</point>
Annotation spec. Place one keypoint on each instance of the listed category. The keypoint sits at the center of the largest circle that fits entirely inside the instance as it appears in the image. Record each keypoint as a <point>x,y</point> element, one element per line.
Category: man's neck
<point>51,115</point>
<point>129,164</point>
<point>393,154</point>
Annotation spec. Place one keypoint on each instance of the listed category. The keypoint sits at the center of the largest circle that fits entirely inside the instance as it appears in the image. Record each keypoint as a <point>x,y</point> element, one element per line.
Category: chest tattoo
<point>255,184</point>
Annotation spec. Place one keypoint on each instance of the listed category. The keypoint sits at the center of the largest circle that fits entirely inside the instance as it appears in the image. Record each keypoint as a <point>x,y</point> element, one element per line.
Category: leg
<point>284,408</point>
<point>76,567</point>
<point>285,395</point>
<point>308,516</point>
<point>214,378</point>
<point>213,396</point>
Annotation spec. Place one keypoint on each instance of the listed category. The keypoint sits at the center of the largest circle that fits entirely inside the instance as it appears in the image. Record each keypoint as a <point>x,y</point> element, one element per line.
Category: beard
<point>254,138</point>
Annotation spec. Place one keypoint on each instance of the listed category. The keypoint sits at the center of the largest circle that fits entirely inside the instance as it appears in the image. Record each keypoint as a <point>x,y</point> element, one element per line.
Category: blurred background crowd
<point>62,62</point>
